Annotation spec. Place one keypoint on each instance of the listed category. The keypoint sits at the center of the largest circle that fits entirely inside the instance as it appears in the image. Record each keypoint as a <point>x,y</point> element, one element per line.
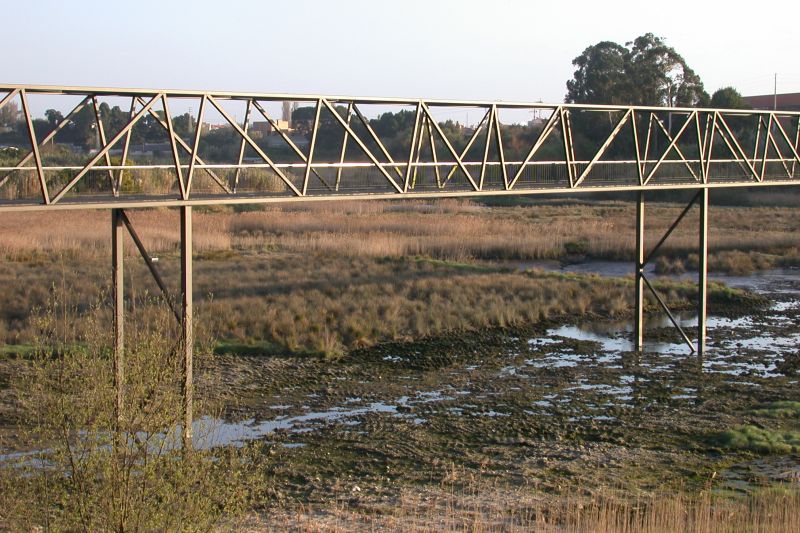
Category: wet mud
<point>556,405</point>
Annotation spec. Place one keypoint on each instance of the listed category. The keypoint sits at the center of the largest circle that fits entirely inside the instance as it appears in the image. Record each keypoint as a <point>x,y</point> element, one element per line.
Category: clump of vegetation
<point>739,263</point>
<point>84,465</point>
<point>780,409</point>
<point>724,300</point>
<point>759,440</point>
<point>669,265</point>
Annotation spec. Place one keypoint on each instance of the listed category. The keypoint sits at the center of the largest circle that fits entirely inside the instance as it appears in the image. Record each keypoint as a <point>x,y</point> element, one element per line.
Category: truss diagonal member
<point>604,147</point>
<point>99,155</point>
<point>548,128</point>
<point>311,145</point>
<point>361,145</point>
<point>415,132</point>
<point>768,126</point>
<point>677,146</point>
<point>739,152</point>
<point>668,312</point>
<point>289,141</point>
<point>771,139</point>
<point>635,133</point>
<point>196,144</point>
<point>8,97</point>
<point>219,181</point>
<point>174,146</point>
<point>757,141</point>
<point>486,145</point>
<point>700,148</point>
<point>101,134</point>
<point>672,227</point>
<point>792,147</point>
<point>253,145</point>
<point>148,260</point>
<point>423,123</point>
<point>471,141</point>
<point>434,156</point>
<point>649,135</point>
<point>500,153</point>
<point>449,146</point>
<point>375,138</point>
<point>34,147</point>
<point>673,145</point>
<point>796,144</point>
<point>343,152</point>
<point>708,137</point>
<point>566,134</point>
<point>61,125</point>
<point>125,147</point>
<point>242,146</point>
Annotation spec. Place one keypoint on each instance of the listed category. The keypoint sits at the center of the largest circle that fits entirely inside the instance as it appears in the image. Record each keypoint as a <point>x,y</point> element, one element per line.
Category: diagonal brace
<point>669,313</point>
<point>148,260</point>
<point>672,227</point>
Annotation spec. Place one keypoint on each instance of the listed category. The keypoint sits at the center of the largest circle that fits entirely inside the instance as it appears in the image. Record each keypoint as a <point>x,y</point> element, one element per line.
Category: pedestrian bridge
<point>338,152</point>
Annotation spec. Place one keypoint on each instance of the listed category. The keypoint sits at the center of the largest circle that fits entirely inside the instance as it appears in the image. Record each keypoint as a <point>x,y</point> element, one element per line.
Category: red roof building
<point>785,101</point>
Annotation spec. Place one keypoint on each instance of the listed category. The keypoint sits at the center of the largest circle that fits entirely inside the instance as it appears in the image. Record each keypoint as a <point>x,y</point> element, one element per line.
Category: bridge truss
<point>339,150</point>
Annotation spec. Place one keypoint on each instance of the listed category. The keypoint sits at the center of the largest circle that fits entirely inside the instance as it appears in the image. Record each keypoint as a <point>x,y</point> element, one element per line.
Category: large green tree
<point>643,72</point>
<point>728,98</point>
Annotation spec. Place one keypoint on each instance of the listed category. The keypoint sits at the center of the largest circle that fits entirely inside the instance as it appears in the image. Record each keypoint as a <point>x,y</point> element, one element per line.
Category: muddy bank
<point>551,405</point>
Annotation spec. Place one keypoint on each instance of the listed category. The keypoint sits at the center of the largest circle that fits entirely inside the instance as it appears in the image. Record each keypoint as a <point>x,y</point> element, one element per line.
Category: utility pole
<point>775,94</point>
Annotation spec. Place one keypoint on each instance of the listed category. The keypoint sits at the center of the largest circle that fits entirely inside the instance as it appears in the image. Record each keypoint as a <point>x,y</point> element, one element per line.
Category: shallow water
<point>568,401</point>
<point>602,344</point>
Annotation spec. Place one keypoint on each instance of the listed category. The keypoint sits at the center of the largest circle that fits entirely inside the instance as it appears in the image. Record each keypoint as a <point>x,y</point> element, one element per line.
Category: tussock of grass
<point>759,440</point>
<point>781,409</point>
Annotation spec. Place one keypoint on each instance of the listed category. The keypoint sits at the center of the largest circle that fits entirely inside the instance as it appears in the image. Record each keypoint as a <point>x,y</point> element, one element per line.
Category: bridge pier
<point>641,281</point>
<point>184,315</point>
<point>117,264</point>
<point>638,317</point>
<point>702,274</point>
<point>187,330</point>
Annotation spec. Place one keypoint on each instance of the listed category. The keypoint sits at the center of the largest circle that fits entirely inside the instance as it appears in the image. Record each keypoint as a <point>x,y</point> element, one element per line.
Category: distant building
<point>265,128</point>
<point>785,101</point>
<point>287,112</point>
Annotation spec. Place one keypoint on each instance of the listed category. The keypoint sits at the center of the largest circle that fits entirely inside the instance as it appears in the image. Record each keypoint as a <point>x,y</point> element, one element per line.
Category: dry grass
<point>453,230</point>
<point>331,277</point>
<point>516,510</point>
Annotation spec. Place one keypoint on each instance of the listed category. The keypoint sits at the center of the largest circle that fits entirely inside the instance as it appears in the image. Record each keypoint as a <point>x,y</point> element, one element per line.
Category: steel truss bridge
<point>340,154</point>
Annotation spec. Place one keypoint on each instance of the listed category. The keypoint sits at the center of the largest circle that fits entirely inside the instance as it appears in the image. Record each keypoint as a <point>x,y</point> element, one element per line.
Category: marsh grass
<point>327,304</point>
<point>757,439</point>
<point>325,278</point>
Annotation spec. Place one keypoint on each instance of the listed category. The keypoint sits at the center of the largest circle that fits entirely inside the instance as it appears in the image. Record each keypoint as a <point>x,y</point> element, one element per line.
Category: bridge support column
<point>117,262</point>
<point>641,281</point>
<point>702,275</point>
<point>638,318</point>
<point>187,333</point>
<point>184,315</point>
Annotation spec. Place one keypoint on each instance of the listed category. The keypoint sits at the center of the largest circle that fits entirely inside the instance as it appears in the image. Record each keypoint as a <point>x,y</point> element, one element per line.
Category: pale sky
<point>467,49</point>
